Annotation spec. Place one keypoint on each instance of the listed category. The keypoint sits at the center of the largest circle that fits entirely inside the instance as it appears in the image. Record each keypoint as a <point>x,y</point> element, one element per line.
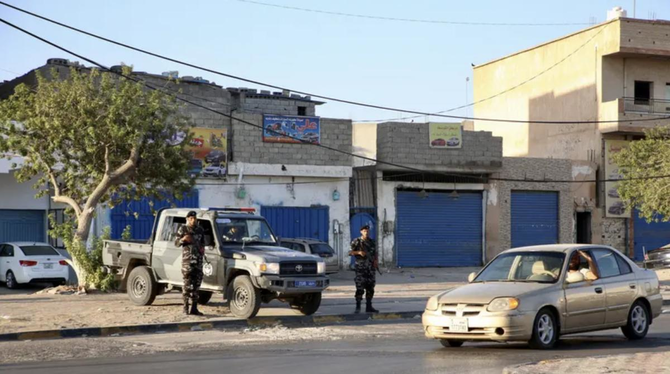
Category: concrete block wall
<point>408,144</point>
<point>499,200</point>
<point>247,145</point>
<point>279,105</point>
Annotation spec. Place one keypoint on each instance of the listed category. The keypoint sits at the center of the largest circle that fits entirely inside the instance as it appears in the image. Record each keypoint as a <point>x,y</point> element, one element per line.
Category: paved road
<point>391,348</point>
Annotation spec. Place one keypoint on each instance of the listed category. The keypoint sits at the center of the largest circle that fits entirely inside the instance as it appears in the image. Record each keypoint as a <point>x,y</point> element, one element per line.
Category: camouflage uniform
<point>191,262</point>
<point>365,269</point>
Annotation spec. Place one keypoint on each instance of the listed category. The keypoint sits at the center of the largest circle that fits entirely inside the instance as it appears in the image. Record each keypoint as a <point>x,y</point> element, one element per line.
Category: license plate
<point>48,265</point>
<point>459,325</point>
<point>305,283</point>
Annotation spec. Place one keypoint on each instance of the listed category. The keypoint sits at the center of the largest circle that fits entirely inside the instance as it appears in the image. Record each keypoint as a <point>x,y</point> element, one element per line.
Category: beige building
<point>618,73</point>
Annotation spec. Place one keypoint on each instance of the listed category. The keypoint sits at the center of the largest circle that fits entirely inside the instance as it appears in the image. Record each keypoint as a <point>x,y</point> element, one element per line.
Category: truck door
<point>213,268</point>
<point>166,257</point>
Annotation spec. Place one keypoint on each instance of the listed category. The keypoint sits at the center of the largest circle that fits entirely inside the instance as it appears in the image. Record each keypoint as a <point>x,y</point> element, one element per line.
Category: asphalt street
<point>377,348</point>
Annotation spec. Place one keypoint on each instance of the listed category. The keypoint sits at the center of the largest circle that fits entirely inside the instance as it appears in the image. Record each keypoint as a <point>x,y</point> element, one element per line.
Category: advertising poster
<point>208,149</point>
<point>445,135</point>
<point>291,129</point>
<point>614,207</point>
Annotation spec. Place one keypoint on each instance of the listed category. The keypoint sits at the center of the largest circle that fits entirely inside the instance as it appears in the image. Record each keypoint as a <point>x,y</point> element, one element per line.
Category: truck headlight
<point>502,304</point>
<point>269,268</point>
<point>432,304</point>
<point>321,267</point>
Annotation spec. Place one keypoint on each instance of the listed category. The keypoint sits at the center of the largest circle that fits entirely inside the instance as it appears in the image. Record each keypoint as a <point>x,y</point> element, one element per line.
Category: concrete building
<point>459,206</point>
<point>302,189</point>
<point>616,71</point>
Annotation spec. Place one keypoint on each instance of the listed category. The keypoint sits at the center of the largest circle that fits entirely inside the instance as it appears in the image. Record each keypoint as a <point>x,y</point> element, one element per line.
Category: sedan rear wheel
<point>638,322</point>
<point>11,281</point>
<point>545,330</point>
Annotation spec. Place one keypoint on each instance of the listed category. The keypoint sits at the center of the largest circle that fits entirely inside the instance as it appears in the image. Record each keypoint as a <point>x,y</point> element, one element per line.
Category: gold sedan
<point>537,294</point>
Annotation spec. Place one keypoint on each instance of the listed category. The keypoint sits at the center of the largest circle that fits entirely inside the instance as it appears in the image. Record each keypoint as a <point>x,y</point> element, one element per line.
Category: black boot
<point>369,308</point>
<point>358,307</point>
<point>194,309</point>
<point>186,307</point>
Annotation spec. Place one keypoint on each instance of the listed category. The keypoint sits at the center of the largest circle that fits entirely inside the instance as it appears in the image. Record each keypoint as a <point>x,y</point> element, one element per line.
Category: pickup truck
<point>243,260</point>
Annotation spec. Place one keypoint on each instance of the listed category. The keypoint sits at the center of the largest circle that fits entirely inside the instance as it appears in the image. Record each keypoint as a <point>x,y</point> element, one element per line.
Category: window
<point>302,111</point>
<point>166,233</point>
<point>607,263</point>
<point>667,97</point>
<point>322,250</point>
<point>624,268</point>
<point>38,250</point>
<point>208,232</point>
<point>4,250</point>
<point>543,267</point>
<point>298,247</point>
<point>643,92</point>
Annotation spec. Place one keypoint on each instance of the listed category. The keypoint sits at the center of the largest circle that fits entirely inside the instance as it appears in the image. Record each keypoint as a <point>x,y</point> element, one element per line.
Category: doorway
<point>584,227</point>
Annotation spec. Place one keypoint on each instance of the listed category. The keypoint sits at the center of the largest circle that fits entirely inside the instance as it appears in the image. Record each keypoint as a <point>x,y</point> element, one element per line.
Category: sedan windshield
<point>239,230</point>
<point>544,267</point>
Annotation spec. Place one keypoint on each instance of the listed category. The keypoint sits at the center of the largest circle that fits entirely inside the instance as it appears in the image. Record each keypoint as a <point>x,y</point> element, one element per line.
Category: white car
<point>31,262</point>
<point>214,170</point>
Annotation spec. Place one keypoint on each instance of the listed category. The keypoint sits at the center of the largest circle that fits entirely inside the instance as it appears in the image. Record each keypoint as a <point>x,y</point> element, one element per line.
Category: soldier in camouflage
<point>191,238</point>
<point>365,251</point>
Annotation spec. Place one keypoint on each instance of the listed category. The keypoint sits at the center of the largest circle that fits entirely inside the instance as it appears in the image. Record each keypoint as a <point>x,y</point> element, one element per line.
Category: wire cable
<point>345,101</point>
<point>412,20</point>
<point>406,167</point>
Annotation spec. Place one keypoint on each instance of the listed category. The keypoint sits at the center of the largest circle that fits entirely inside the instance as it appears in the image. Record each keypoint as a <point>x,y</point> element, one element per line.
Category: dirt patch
<point>637,363</point>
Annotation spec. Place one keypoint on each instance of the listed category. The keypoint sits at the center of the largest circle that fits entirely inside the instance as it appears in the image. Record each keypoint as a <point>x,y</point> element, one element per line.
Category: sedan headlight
<point>269,268</point>
<point>321,267</point>
<point>432,304</point>
<point>502,304</point>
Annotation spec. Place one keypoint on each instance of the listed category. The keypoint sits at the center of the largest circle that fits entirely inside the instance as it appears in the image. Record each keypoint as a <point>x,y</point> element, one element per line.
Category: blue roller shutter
<point>123,215</point>
<point>298,222</point>
<point>22,225</point>
<point>534,218</point>
<point>439,230</point>
<point>649,235</point>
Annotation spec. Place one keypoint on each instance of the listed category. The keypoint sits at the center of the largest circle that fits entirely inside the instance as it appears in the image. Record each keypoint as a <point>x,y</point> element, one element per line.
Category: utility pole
<point>634,6</point>
<point>467,79</point>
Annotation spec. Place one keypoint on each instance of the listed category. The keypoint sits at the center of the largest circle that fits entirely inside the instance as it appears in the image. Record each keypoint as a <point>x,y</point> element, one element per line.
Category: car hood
<point>268,253</point>
<point>484,293</point>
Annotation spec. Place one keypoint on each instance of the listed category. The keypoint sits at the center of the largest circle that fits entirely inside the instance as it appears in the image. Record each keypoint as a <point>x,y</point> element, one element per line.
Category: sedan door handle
<point>599,290</point>
<point>632,286</point>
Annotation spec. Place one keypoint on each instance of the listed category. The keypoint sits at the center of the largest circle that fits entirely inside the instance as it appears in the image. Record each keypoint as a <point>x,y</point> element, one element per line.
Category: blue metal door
<point>439,230</point>
<point>534,218</point>
<point>123,214</point>
<point>298,222</point>
<point>648,236</point>
<point>22,225</point>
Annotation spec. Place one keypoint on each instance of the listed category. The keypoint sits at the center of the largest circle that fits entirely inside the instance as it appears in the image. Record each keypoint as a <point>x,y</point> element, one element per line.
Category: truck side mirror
<point>471,277</point>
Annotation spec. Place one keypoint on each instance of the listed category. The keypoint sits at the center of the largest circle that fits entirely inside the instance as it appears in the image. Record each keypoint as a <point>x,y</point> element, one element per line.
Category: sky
<point>408,65</point>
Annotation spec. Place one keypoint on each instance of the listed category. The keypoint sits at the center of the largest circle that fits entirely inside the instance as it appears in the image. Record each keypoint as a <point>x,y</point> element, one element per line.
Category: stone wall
<point>408,144</point>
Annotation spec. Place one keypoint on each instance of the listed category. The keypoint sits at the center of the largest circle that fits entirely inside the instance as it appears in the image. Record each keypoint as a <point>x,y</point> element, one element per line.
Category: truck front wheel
<point>307,304</point>
<point>141,286</point>
<point>244,298</point>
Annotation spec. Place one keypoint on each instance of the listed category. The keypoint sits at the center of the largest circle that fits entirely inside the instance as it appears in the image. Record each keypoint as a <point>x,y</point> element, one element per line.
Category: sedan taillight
<point>27,263</point>
<point>63,262</point>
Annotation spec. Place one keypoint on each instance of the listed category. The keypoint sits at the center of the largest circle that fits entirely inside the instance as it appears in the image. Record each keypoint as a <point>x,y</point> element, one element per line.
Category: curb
<point>288,321</point>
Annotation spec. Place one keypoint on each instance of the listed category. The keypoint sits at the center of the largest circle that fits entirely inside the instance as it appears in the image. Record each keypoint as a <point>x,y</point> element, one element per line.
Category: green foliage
<point>89,261</point>
<point>640,164</point>
<point>127,233</point>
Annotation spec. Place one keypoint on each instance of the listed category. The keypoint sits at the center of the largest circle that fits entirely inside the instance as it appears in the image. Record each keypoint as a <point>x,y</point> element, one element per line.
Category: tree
<point>640,164</point>
<point>95,138</point>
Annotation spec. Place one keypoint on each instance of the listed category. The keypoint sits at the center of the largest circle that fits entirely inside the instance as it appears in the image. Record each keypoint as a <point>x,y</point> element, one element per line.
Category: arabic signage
<point>614,206</point>
<point>291,129</point>
<point>445,135</point>
<point>208,148</point>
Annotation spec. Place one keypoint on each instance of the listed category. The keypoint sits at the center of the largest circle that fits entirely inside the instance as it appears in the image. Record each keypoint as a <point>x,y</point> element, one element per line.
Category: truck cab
<point>243,261</point>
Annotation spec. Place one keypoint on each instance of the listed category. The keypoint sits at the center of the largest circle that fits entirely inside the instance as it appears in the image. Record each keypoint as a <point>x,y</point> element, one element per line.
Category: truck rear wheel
<point>244,298</point>
<point>307,304</point>
<point>141,286</point>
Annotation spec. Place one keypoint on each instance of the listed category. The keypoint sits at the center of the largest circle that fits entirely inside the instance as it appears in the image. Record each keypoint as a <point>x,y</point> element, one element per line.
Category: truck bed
<point>117,253</point>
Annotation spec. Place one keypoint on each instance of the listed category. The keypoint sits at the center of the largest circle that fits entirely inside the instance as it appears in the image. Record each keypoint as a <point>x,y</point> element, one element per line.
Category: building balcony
<point>646,106</point>
<point>635,115</point>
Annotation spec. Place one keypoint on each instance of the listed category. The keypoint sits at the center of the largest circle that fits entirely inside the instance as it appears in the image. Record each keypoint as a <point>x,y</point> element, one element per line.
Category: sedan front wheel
<point>545,330</point>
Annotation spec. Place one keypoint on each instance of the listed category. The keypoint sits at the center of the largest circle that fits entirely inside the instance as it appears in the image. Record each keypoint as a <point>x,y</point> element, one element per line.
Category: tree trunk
<point>79,244</point>
<point>79,270</point>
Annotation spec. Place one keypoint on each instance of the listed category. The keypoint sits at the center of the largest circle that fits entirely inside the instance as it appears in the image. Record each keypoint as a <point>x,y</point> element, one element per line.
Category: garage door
<point>534,218</point>
<point>22,225</point>
<point>649,235</point>
<point>439,230</point>
<point>298,222</point>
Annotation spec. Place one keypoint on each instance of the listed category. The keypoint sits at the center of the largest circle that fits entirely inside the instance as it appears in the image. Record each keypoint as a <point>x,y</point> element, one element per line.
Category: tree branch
<point>107,167</point>
<point>58,198</point>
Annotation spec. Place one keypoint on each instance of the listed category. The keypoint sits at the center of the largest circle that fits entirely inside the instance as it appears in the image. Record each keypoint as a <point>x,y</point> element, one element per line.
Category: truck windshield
<point>238,230</point>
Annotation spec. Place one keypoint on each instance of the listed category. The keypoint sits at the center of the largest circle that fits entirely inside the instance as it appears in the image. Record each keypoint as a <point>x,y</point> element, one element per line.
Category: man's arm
<point>355,251</point>
<point>592,267</point>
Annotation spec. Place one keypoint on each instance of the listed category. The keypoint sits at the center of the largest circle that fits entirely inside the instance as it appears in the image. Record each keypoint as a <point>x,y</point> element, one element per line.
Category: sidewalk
<point>398,291</point>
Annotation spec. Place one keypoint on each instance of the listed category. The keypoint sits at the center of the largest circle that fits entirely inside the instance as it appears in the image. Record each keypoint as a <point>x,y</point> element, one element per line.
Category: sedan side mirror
<point>471,277</point>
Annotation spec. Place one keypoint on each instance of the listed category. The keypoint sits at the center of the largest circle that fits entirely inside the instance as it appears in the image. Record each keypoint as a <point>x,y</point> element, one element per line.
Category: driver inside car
<point>234,234</point>
<point>577,274</point>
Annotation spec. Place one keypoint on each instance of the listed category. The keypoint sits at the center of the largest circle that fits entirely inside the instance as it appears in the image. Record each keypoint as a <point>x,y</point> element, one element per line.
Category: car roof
<point>555,248</point>
<point>21,244</point>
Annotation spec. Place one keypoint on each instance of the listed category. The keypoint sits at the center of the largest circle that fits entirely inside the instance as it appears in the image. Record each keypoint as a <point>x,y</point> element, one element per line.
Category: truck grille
<point>297,268</point>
